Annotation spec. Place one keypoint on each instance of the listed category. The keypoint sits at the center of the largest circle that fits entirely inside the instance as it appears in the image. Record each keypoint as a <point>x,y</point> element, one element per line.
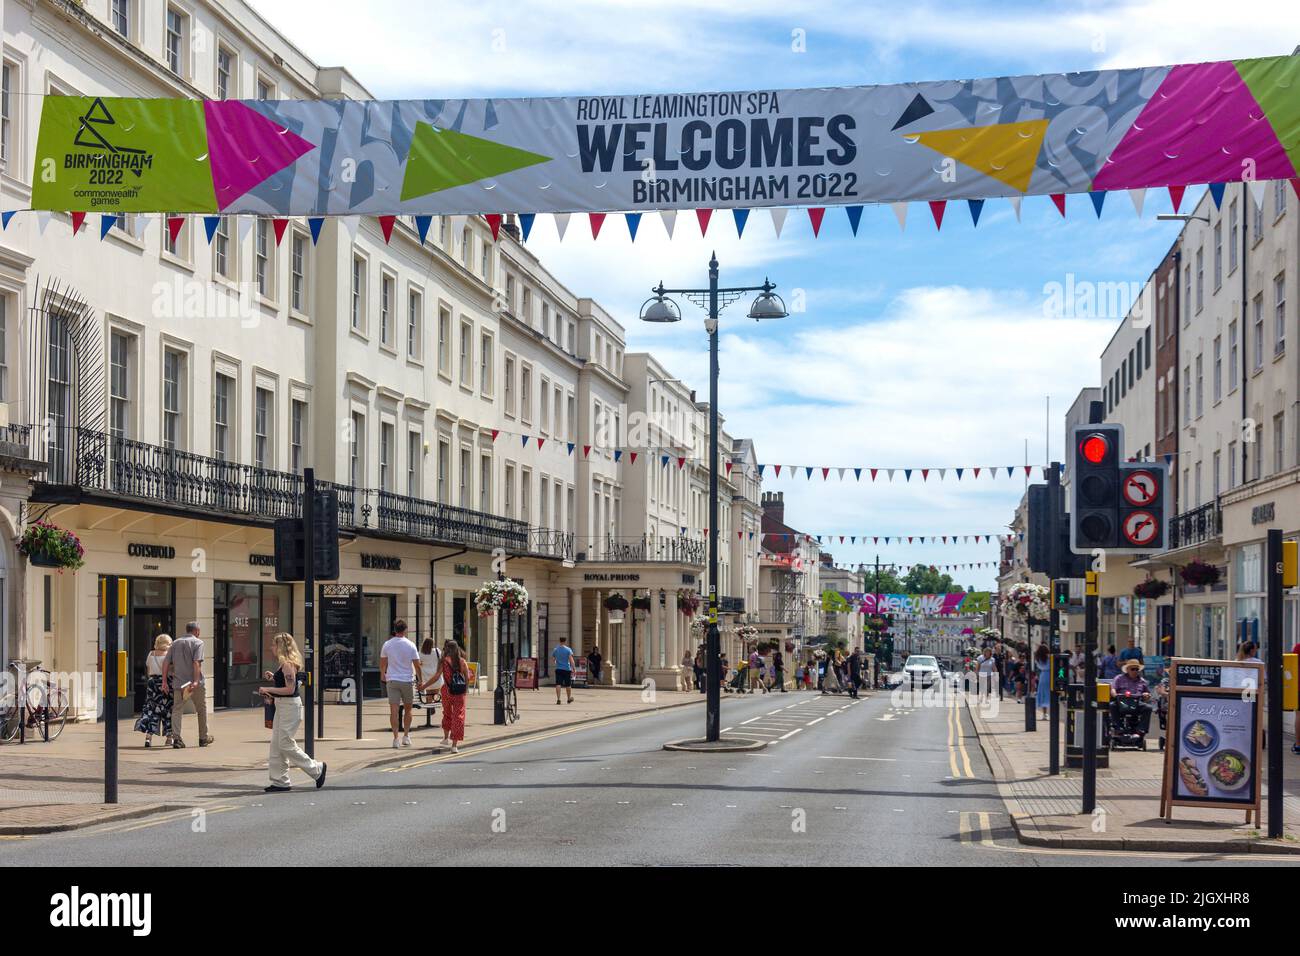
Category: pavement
<point>1045,810</point>
<point>59,785</point>
<point>888,779</point>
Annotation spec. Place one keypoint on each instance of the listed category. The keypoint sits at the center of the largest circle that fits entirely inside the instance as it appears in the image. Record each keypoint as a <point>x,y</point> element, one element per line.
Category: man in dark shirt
<point>855,672</point>
<point>778,669</point>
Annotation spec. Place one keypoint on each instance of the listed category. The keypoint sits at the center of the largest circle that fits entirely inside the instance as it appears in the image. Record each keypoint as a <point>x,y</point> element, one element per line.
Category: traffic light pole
<point>1031,712</point>
<point>1053,701</point>
<point>1273,682</point>
<point>1090,702</point>
<point>309,605</point>
<point>1056,560</point>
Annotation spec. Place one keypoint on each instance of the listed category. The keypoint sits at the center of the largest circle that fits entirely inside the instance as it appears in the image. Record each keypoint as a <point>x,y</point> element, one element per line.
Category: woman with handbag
<point>156,715</point>
<point>431,670</point>
<point>455,675</point>
<point>288,718</point>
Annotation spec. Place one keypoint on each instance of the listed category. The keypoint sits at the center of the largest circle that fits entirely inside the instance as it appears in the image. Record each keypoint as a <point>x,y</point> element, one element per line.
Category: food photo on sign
<point>1215,749</point>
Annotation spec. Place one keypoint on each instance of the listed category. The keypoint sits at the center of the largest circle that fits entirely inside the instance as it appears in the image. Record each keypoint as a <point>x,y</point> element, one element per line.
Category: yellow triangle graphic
<point>1006,152</point>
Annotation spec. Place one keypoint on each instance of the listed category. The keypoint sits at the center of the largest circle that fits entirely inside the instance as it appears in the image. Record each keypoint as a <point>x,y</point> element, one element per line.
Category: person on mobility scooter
<point>1130,708</point>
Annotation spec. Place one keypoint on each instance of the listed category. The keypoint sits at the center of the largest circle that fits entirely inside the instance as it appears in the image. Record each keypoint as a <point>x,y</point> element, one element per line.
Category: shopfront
<point>245,619</point>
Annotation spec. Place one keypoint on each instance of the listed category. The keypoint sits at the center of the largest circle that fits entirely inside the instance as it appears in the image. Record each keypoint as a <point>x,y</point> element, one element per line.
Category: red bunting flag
<point>495,433</point>
<point>937,207</point>
<point>778,470</point>
<point>78,218</point>
<point>1059,199</point>
<point>540,443</point>
<point>494,223</point>
<point>977,472</point>
<point>1176,196</point>
<point>586,451</point>
<point>1028,469</point>
<point>174,224</point>
<point>597,220</point>
<point>825,472</point>
<point>925,474</point>
<point>815,214</point>
<point>277,224</point>
<point>386,226</point>
<point>729,464</point>
<point>680,462</point>
<point>873,474</point>
<point>634,458</point>
<point>703,216</point>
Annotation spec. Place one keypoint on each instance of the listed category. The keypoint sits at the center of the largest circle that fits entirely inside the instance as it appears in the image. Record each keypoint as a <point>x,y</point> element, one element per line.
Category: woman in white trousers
<point>288,718</point>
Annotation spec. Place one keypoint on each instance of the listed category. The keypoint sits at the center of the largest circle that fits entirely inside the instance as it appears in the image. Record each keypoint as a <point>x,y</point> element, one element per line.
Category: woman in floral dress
<point>453,705</point>
<point>156,715</point>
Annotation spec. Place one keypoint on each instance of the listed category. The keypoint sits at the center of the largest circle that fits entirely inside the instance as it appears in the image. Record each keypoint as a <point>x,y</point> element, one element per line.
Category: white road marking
<point>817,721</point>
<point>882,759</point>
<point>791,733</point>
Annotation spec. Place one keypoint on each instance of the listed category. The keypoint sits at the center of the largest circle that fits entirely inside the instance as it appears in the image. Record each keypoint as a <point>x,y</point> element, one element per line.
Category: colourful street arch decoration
<point>1169,126</point>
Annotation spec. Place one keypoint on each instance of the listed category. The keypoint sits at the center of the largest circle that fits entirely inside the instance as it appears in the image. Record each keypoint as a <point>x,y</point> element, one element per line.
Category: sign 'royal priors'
<point>962,139</point>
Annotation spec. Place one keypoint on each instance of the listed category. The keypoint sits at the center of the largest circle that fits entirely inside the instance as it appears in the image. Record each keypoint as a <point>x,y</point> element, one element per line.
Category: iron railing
<point>646,548</point>
<point>1196,526</point>
<point>92,461</point>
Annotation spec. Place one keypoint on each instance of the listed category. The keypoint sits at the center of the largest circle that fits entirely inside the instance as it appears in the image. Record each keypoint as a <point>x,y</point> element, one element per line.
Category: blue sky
<point>916,348</point>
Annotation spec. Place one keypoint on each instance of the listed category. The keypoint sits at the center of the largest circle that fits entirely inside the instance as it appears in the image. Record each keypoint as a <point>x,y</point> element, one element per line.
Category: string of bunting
<point>596,220</point>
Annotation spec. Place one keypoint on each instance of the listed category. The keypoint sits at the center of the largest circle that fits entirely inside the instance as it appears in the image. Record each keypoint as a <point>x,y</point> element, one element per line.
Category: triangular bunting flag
<point>1015,205</point>
<point>1138,197</point>
<point>597,219</point>
<point>523,441</point>
<point>586,451</point>
<point>815,214</point>
<point>314,224</point>
<point>907,474</point>
<point>959,471</point>
<point>1098,198</point>
<point>976,206</point>
<point>632,457</point>
<point>778,220</point>
<point>1257,192</point>
<point>760,470</point>
<point>890,473</point>
<point>855,217</point>
<point>278,225</point>
<point>495,433</point>
<point>702,216</point>
<point>808,472</point>
<point>1059,200</point>
<point>1176,196</point>
<point>210,224</point>
<point>1010,470</point>
<point>977,472</point>
<point>663,461</point>
<point>78,218</point>
<point>352,224</point>
<point>777,468</point>
<point>842,470</point>
<point>1216,193</point>
<point>174,224</point>
<point>494,223</point>
<point>937,207</point>
<point>106,225</point>
<point>571,447</point>
<point>5,217</point>
<point>680,462</point>
<point>729,466</point>
<point>618,454</point>
<point>900,213</point>
<point>633,220</point>
<point>561,223</point>
<point>540,443</point>
<point>526,223</point>
<point>422,224</point>
<point>740,215</point>
<point>43,217</point>
<point>925,474</point>
<point>386,226</point>
<point>669,217</point>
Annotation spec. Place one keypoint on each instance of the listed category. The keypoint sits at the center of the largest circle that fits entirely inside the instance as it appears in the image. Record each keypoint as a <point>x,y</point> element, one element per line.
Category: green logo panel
<point>122,155</point>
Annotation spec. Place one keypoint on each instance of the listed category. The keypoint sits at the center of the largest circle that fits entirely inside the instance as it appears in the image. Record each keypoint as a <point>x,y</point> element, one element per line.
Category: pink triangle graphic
<point>245,148</point>
<point>1179,137</point>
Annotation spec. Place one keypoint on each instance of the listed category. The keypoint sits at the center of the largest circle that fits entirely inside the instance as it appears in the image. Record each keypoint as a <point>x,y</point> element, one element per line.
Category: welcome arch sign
<point>1050,134</point>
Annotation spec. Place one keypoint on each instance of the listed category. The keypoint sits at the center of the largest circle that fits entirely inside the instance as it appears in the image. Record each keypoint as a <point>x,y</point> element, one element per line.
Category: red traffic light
<point>1095,448</point>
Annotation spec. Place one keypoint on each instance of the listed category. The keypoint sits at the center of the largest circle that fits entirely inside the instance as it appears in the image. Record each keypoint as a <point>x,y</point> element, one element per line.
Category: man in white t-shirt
<point>399,669</point>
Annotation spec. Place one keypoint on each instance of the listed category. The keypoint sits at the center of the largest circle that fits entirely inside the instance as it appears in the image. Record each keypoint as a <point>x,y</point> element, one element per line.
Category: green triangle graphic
<point>443,159</point>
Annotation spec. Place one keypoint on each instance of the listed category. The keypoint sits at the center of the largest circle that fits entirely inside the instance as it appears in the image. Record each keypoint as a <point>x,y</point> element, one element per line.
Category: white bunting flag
<point>561,223</point>
<point>1015,204</point>
<point>669,216</point>
<point>778,220</point>
<point>900,213</point>
<point>244,227</point>
<point>1257,193</point>
<point>1138,196</point>
<point>42,220</point>
<point>353,223</point>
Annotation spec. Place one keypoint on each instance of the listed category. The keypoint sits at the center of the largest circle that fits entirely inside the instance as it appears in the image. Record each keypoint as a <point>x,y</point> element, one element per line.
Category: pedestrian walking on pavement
<point>688,667</point>
<point>183,672</point>
<point>1108,668</point>
<point>284,692</point>
<point>855,672</point>
<point>399,670</point>
<point>986,672</point>
<point>756,671</point>
<point>1043,665</point>
<point>563,657</point>
<point>455,674</point>
<point>430,671</point>
<point>156,715</point>
<point>594,660</point>
<point>778,670</point>
<point>699,669</point>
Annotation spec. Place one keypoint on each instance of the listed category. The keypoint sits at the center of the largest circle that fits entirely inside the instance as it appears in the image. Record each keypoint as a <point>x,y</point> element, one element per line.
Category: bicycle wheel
<point>8,722</point>
<point>47,703</point>
<point>512,704</point>
<point>56,709</point>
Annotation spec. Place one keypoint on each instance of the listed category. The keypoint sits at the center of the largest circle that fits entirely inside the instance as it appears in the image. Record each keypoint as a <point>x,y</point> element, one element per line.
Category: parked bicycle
<point>511,698</point>
<point>32,702</point>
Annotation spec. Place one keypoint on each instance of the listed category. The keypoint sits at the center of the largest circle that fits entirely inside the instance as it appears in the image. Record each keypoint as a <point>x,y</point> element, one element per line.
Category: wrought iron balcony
<point>672,550</point>
<point>94,463</point>
<point>1196,526</point>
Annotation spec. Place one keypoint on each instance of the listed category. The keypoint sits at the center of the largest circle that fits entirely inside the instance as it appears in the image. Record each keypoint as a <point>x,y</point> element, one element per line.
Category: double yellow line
<point>976,827</point>
<point>957,743</point>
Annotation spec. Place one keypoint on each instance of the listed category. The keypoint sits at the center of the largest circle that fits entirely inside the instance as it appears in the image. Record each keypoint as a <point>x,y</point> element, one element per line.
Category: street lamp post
<point>659,308</point>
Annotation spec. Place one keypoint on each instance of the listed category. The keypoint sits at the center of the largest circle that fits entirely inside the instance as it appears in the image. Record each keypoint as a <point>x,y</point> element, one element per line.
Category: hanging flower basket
<point>1028,600</point>
<point>616,602</point>
<point>747,632</point>
<point>1199,574</point>
<point>506,596</point>
<point>49,546</point>
<point>641,603</point>
<point>1151,588</point>
<point>688,602</point>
